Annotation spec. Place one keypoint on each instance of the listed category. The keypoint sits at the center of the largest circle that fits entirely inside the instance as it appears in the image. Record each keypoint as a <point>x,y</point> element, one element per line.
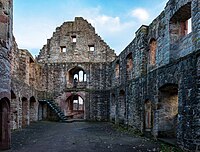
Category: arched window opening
<point>81,76</point>
<point>152,51</point>
<point>84,78</point>
<point>76,77</point>
<point>129,66</point>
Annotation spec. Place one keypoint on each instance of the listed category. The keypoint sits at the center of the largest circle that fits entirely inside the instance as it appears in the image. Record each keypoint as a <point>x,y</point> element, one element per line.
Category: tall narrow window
<point>117,69</point>
<point>81,75</point>
<point>152,51</point>
<point>129,66</point>
<point>85,78</point>
<point>189,22</point>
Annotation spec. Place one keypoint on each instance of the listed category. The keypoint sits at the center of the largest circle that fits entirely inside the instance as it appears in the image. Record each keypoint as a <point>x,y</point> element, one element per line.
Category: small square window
<point>91,47</point>
<point>63,49</point>
<point>74,39</point>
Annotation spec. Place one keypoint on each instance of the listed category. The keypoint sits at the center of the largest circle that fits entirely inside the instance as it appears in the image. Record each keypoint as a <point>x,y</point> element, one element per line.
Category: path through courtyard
<point>78,137</point>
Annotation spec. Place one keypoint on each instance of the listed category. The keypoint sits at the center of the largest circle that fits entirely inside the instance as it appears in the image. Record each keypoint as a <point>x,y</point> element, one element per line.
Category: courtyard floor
<point>78,137</point>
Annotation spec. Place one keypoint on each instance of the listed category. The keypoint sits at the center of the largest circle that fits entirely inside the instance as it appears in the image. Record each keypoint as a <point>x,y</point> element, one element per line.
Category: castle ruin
<point>152,85</point>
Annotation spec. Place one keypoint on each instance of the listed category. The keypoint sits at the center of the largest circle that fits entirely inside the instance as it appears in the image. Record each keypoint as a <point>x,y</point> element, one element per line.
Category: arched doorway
<point>75,107</point>
<point>168,110</point>
<point>4,124</point>
<point>33,111</point>
<point>25,115</point>
<point>76,77</point>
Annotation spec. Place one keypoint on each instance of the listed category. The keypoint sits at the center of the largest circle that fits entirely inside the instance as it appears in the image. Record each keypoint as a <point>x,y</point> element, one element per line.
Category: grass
<point>168,148</point>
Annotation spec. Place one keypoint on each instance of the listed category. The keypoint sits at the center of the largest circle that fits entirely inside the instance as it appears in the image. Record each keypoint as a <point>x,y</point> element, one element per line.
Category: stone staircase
<point>56,109</point>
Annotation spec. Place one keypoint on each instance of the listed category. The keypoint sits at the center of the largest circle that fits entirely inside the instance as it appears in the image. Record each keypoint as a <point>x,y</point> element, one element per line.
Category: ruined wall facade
<point>26,84</point>
<point>152,86</point>
<point>159,95</point>
<point>75,51</point>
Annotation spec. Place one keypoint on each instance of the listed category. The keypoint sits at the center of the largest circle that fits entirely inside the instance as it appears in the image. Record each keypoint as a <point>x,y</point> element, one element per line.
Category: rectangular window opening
<point>63,49</point>
<point>74,39</point>
<point>189,24</point>
<point>91,47</point>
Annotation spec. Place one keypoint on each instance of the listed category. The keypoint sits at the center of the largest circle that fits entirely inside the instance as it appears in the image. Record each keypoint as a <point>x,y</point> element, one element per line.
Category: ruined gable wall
<point>61,48</point>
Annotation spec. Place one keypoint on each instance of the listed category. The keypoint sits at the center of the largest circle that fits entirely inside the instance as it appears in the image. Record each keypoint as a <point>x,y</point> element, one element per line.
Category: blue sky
<point>116,21</point>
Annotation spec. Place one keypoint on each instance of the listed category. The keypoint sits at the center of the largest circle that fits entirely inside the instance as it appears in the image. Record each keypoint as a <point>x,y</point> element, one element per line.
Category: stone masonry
<point>152,86</point>
<point>5,79</point>
<point>162,96</point>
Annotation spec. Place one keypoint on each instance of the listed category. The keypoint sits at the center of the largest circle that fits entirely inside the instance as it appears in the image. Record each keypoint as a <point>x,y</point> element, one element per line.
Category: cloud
<point>140,14</point>
<point>32,33</point>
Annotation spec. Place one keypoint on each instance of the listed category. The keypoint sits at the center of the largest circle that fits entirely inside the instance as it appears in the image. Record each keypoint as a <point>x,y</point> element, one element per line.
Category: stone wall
<point>75,42</point>
<point>75,50</point>
<point>6,21</point>
<point>152,86</point>
<point>26,82</point>
<point>165,67</point>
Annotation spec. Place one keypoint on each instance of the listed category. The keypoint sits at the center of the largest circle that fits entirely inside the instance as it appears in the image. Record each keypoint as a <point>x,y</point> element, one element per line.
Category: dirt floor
<point>78,137</point>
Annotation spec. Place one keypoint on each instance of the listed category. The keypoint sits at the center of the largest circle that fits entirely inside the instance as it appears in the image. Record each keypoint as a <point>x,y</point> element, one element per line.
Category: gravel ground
<point>78,137</point>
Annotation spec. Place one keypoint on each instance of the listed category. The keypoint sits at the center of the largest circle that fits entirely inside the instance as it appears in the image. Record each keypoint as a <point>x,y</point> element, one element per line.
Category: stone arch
<point>75,107</point>
<point>76,76</point>
<point>152,51</point>
<point>129,66</point>
<point>168,110</point>
<point>33,110</point>
<point>25,112</point>
<point>4,124</point>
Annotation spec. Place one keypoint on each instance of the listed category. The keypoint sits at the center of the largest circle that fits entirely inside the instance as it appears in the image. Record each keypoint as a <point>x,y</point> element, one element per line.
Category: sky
<point>116,21</point>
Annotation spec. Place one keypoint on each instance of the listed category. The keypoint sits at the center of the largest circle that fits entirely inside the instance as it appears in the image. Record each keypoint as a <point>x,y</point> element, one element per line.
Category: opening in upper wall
<point>152,51</point>
<point>180,23</point>
<point>63,49</point>
<point>117,69</point>
<point>74,38</point>
<point>91,47</point>
<point>129,66</point>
